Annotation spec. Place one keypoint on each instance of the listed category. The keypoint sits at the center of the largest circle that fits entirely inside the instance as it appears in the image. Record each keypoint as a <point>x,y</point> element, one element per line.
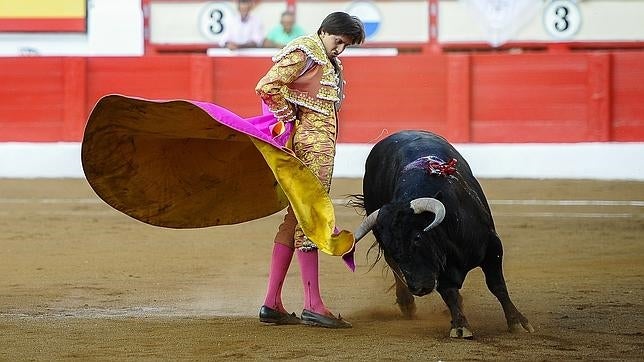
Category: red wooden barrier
<point>540,97</point>
<point>32,99</point>
<point>627,89</point>
<point>392,93</point>
<point>234,81</point>
<point>533,97</point>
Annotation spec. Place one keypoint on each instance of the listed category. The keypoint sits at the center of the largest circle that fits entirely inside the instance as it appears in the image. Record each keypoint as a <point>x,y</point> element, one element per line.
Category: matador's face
<point>334,45</point>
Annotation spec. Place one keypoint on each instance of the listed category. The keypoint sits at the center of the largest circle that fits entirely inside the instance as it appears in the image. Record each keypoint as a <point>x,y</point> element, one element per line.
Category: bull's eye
<point>417,239</point>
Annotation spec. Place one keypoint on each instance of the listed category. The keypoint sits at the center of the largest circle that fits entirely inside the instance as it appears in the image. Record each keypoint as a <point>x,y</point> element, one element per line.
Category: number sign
<point>562,18</point>
<point>213,18</point>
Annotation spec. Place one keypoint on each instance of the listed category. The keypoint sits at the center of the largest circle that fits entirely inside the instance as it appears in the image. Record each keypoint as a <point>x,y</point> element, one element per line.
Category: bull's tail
<point>357,202</point>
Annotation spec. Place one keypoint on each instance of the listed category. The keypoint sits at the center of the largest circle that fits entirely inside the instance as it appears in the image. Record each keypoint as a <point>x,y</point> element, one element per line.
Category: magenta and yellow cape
<point>189,164</point>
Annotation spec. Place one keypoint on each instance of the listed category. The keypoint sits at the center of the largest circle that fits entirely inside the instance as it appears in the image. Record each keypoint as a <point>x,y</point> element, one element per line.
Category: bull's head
<point>405,234</point>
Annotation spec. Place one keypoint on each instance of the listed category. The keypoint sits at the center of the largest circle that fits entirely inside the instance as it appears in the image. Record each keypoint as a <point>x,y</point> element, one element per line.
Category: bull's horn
<point>366,226</point>
<point>429,204</point>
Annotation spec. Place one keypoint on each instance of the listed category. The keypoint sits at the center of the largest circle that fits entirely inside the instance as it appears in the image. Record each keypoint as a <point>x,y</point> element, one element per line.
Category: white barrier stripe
<point>586,160</point>
<point>545,202</point>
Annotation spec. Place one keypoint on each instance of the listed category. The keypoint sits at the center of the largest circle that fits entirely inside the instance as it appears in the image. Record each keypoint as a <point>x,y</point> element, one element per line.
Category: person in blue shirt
<point>283,33</point>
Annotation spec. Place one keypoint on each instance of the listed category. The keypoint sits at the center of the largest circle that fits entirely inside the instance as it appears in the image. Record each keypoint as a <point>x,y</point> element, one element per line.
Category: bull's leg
<point>454,301</point>
<point>493,269</point>
<point>404,298</point>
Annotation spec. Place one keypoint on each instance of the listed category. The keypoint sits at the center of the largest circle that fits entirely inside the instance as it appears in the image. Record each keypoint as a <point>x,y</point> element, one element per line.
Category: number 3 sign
<point>213,18</point>
<point>561,18</point>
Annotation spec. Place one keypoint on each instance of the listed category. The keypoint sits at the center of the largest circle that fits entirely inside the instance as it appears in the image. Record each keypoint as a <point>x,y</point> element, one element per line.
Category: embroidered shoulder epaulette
<point>309,44</point>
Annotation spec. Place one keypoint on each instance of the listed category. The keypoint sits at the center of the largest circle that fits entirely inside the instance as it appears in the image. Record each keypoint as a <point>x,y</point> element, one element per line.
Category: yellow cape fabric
<point>310,202</point>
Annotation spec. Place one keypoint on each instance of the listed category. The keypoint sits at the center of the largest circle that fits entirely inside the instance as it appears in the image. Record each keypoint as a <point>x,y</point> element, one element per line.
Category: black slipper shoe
<point>321,320</point>
<point>269,315</point>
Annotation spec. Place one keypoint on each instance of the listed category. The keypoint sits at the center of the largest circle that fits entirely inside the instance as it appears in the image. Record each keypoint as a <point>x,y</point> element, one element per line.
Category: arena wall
<point>483,98</point>
<point>498,102</point>
<point>535,107</point>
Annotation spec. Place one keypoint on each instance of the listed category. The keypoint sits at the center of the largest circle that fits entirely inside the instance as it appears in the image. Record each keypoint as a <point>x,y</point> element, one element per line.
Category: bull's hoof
<point>408,310</point>
<point>520,327</point>
<point>461,332</point>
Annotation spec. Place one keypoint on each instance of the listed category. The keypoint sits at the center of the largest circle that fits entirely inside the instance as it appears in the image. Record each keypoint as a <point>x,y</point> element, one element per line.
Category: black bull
<point>433,224</point>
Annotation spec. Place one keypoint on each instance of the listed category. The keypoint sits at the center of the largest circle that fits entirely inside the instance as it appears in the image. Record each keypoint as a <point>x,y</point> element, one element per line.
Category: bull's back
<point>389,157</point>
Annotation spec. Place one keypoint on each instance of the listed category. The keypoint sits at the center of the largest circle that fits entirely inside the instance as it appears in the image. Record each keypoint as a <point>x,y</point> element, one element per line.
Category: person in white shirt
<point>245,31</point>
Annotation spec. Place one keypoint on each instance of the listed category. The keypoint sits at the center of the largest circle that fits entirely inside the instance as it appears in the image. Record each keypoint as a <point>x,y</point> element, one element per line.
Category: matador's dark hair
<point>340,23</point>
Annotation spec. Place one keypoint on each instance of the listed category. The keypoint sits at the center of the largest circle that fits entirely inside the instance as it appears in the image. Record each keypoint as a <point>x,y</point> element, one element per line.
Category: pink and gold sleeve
<point>283,72</point>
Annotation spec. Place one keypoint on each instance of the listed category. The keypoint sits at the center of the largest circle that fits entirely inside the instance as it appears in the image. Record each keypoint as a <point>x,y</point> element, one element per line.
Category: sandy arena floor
<point>79,280</point>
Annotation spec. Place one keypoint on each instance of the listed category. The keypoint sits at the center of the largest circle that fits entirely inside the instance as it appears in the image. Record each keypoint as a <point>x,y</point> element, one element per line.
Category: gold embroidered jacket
<point>302,75</point>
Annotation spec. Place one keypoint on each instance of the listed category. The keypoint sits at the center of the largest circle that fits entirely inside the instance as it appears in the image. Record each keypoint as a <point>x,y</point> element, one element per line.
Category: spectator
<point>283,33</point>
<point>245,31</point>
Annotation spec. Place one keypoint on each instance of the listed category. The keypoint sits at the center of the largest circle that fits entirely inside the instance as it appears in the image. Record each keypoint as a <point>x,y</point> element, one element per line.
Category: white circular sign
<point>213,18</point>
<point>369,14</point>
<point>562,18</point>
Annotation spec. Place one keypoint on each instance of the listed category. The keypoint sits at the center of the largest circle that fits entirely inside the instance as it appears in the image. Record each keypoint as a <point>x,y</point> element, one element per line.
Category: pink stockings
<point>309,269</point>
<point>280,261</point>
<point>282,256</point>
